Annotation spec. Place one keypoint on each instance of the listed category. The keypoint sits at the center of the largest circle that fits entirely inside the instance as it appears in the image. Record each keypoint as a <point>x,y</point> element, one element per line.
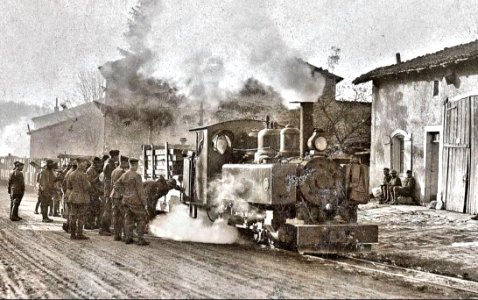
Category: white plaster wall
<point>409,104</point>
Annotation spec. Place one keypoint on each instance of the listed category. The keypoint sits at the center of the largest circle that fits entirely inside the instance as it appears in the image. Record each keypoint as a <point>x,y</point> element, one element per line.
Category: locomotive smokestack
<point>306,125</point>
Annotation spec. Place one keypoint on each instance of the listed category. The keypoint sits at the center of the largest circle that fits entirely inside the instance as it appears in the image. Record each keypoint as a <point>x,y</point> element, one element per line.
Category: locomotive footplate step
<point>328,238</point>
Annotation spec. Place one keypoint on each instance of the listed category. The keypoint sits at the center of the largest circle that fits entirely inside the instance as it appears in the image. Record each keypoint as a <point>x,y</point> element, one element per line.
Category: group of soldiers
<point>103,193</point>
<point>392,187</point>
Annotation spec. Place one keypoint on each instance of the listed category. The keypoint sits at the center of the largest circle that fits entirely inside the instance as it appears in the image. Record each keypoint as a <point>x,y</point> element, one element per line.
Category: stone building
<point>78,130</point>
<point>423,119</point>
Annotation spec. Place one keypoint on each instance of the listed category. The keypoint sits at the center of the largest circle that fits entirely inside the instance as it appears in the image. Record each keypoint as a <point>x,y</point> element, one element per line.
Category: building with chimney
<point>424,119</point>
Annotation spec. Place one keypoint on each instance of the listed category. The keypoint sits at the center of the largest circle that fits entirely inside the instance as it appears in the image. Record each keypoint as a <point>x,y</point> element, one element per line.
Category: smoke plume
<point>14,139</point>
<point>209,49</point>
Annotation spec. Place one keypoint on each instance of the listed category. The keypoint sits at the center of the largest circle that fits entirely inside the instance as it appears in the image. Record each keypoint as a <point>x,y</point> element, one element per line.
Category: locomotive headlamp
<point>317,141</point>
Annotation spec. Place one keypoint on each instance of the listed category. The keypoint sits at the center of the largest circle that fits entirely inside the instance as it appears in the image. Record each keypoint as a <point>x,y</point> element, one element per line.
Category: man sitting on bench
<point>406,190</point>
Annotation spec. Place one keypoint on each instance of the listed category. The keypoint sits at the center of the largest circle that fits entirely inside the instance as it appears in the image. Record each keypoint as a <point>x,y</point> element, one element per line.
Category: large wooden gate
<point>458,178</point>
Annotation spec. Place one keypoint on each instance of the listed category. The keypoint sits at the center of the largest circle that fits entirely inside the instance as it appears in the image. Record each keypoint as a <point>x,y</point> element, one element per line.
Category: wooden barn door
<point>472,204</point>
<point>456,154</point>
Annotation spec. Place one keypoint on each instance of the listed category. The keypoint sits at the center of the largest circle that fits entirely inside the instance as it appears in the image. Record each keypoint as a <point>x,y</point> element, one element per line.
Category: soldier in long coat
<point>66,194</point>
<point>79,199</point>
<point>110,165</point>
<point>16,189</point>
<point>46,189</point>
<point>134,201</point>
<point>93,219</point>
<point>116,197</point>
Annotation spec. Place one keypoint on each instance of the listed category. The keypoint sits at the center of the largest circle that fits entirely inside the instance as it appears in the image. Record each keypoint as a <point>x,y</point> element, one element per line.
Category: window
<point>398,147</point>
<point>436,87</point>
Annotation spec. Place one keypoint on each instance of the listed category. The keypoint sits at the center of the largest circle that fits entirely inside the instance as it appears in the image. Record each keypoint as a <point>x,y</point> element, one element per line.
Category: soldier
<point>66,193</point>
<point>46,189</point>
<point>384,185</point>
<point>116,197</point>
<point>42,167</point>
<point>134,202</point>
<point>60,175</point>
<point>406,190</point>
<point>154,190</point>
<point>16,189</point>
<point>78,199</point>
<point>93,217</point>
<point>394,182</point>
<point>110,165</point>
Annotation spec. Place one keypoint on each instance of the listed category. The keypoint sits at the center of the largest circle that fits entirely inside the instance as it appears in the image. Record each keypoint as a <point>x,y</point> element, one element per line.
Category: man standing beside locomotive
<point>116,198</point>
<point>16,189</point>
<point>79,199</point>
<point>134,202</point>
<point>46,189</point>
<point>108,185</point>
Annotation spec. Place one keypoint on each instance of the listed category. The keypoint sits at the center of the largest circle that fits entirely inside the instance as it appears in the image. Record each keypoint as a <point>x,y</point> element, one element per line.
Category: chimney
<point>306,125</point>
<point>399,60</point>
<point>56,106</point>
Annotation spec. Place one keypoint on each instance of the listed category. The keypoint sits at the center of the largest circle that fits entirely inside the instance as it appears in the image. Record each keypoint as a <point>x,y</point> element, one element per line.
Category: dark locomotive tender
<point>276,188</point>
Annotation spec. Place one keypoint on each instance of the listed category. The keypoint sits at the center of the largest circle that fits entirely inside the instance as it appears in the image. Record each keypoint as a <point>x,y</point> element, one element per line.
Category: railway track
<point>420,278</point>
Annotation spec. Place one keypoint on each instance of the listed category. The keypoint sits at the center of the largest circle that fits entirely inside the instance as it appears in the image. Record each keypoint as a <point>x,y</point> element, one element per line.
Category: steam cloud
<point>178,226</point>
<point>209,50</point>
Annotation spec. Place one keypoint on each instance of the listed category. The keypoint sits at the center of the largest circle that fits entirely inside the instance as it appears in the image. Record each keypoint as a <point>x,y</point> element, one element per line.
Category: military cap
<point>114,152</point>
<point>18,163</point>
<point>96,160</point>
<point>386,169</point>
<point>105,157</point>
<point>133,160</point>
<point>124,158</point>
<point>393,172</point>
<point>50,162</point>
<point>15,163</point>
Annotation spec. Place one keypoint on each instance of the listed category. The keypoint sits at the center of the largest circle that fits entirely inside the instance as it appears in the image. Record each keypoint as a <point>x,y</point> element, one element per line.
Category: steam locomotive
<point>277,184</point>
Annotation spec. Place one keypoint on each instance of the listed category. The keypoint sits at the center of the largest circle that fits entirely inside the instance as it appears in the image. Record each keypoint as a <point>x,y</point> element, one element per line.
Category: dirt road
<point>37,260</point>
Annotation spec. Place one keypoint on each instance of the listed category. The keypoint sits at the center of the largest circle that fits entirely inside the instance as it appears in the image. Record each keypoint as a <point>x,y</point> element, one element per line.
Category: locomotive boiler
<point>278,184</point>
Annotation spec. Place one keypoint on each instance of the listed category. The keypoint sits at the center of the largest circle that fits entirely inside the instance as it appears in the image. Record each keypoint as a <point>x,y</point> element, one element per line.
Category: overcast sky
<point>45,43</point>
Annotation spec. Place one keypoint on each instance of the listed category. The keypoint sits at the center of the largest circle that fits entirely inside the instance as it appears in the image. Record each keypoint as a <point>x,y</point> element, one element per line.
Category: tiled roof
<point>66,114</point>
<point>441,58</point>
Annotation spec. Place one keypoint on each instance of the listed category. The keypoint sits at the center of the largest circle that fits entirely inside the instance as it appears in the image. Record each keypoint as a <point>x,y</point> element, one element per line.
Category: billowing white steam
<point>210,48</point>
<point>178,226</point>
<point>14,139</point>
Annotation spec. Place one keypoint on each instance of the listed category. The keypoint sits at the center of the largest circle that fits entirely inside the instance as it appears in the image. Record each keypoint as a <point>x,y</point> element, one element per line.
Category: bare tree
<point>90,86</point>
<point>346,119</point>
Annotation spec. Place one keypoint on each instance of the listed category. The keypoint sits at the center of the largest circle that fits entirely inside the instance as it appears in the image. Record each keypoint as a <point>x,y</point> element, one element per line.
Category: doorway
<point>432,165</point>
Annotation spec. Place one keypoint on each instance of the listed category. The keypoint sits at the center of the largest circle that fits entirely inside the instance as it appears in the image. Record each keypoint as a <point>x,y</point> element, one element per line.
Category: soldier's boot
<point>66,227</point>
<point>72,226</point>
<point>36,208</point>
<point>44,212</point>
<point>79,234</point>
<point>56,208</point>
<point>14,214</point>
